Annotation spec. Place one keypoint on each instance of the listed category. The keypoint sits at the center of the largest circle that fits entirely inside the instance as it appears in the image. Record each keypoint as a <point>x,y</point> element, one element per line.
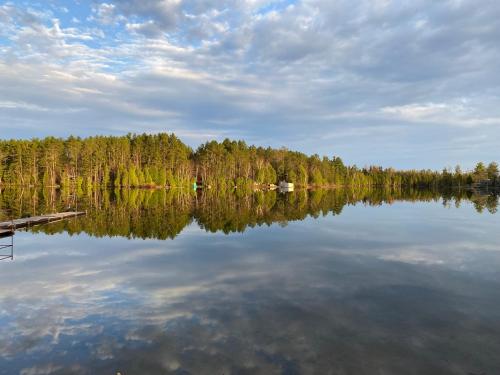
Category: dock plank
<point>38,220</point>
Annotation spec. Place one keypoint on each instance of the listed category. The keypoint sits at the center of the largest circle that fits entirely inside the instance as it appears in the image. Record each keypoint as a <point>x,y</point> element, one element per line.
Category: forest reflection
<point>163,214</point>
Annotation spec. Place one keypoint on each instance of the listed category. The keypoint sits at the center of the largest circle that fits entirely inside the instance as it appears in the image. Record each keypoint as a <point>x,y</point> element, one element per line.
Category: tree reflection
<point>162,214</point>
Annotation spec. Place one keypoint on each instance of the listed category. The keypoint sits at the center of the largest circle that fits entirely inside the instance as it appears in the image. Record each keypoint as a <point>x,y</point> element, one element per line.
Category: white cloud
<point>454,114</point>
<point>266,71</point>
<point>21,105</point>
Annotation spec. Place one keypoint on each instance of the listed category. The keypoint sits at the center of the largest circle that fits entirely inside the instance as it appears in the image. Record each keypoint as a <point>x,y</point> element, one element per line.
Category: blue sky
<point>412,84</point>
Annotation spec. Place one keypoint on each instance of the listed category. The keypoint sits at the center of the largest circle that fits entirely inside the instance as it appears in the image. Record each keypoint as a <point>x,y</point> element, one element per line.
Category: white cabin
<point>286,186</point>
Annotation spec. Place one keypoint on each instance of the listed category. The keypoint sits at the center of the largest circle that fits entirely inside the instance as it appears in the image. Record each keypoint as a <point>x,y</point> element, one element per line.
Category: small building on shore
<point>285,186</point>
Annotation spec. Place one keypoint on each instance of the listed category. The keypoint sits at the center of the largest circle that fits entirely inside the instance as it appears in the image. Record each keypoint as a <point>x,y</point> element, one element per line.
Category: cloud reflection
<point>299,299</point>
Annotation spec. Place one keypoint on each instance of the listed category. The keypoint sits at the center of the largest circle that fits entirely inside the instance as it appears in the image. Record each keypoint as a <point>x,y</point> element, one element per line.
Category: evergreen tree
<point>492,172</point>
<point>480,172</point>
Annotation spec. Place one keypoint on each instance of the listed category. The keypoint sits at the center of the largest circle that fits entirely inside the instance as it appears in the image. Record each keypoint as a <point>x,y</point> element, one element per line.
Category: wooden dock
<point>6,232</point>
<point>7,228</point>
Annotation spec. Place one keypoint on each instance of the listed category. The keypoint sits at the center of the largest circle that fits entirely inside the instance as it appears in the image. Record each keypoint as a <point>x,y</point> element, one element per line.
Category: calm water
<point>309,283</point>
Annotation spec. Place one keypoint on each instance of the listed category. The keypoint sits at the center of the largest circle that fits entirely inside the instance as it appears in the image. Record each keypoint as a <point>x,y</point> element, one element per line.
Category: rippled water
<point>411,287</point>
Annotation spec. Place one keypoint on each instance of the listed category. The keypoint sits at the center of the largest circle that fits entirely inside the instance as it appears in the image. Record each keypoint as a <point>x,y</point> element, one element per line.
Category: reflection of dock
<point>6,232</point>
<point>5,246</point>
<point>7,227</point>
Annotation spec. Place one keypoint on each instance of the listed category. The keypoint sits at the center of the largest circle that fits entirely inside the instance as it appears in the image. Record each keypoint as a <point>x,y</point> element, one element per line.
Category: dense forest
<point>164,213</point>
<point>163,160</point>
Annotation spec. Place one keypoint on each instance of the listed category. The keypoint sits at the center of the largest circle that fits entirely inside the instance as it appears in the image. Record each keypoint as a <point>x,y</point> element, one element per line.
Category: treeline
<point>163,160</point>
<point>164,213</point>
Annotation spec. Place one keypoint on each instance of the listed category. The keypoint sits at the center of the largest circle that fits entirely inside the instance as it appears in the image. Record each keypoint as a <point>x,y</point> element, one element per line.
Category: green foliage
<point>170,179</point>
<point>316,177</point>
<point>163,160</point>
<point>46,179</point>
<point>302,176</point>
<point>133,180</point>
<point>260,176</point>
<point>106,177</point>
<point>162,177</point>
<point>118,178</point>
<point>271,176</point>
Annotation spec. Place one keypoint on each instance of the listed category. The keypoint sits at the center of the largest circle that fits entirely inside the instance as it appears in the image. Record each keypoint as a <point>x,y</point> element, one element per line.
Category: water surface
<point>305,283</point>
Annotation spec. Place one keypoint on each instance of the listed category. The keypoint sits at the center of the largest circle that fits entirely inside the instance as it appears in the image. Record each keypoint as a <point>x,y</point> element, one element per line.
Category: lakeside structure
<point>8,227</point>
<point>286,186</point>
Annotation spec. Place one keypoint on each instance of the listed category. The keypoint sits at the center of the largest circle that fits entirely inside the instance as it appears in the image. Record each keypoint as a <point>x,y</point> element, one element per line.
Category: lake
<point>309,282</point>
